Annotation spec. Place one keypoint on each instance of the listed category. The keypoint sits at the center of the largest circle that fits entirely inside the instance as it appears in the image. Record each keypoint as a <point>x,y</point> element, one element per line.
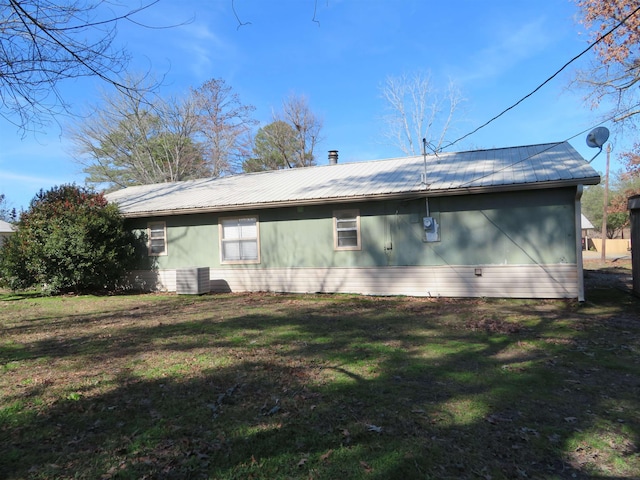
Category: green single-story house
<point>503,222</point>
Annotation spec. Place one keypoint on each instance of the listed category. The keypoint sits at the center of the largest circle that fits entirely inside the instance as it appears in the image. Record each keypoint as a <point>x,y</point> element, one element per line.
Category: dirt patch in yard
<point>611,273</point>
<point>321,386</point>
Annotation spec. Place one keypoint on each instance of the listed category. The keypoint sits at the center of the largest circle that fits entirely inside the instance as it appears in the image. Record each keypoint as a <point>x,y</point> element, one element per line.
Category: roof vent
<point>333,157</point>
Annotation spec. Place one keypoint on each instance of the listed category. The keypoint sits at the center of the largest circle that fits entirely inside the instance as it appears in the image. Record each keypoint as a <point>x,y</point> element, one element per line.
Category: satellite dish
<point>597,137</point>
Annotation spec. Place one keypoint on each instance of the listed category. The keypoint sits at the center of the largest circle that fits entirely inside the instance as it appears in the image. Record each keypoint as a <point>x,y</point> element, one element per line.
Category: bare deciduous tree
<point>614,74</point>
<point>289,140</point>
<point>139,139</point>
<point>306,125</point>
<point>225,124</point>
<point>418,110</point>
<point>45,42</point>
<point>136,137</point>
<point>7,213</point>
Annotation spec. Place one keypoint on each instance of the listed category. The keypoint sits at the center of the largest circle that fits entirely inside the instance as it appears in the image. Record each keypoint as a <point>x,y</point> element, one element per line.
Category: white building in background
<point>6,229</point>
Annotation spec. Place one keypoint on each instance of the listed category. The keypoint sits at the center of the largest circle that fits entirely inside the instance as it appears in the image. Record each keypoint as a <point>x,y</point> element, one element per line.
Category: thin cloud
<point>32,180</point>
<point>510,50</point>
<point>204,47</point>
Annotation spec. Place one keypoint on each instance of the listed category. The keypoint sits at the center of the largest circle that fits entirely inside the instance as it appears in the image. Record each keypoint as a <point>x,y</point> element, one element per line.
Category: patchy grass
<point>317,386</point>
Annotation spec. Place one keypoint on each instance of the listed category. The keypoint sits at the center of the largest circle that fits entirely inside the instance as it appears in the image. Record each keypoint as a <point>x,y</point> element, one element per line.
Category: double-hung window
<point>346,229</point>
<point>239,240</point>
<point>157,238</point>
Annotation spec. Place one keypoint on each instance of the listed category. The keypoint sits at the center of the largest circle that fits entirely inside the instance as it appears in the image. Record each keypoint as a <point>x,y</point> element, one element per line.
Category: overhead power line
<point>613,29</point>
<point>553,145</point>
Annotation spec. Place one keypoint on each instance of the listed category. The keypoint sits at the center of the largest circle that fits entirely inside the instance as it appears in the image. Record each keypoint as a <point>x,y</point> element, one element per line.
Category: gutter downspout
<point>578,222</point>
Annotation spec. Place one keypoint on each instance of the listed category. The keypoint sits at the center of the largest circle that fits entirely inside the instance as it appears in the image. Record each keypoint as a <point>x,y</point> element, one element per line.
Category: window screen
<point>347,230</point>
<point>239,239</point>
<point>157,238</point>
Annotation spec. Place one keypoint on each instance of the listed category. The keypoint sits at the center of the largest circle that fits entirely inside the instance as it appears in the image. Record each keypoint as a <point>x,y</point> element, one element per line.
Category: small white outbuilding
<point>6,229</point>
<point>585,226</point>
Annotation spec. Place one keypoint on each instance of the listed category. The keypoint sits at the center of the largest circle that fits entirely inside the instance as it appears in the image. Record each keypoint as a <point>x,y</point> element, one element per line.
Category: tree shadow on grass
<point>291,387</point>
<point>10,296</point>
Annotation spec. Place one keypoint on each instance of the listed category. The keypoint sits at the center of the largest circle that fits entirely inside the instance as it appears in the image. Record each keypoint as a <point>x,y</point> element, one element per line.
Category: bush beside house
<point>69,240</point>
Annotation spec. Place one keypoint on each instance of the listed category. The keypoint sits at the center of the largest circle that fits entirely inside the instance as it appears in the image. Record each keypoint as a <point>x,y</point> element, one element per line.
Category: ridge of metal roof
<point>452,173</point>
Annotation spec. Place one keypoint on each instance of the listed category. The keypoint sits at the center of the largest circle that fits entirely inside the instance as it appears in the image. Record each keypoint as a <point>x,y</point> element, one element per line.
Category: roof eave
<point>364,198</point>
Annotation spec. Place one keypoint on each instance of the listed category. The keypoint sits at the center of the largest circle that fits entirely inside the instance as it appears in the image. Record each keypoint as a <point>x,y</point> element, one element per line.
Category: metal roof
<point>585,224</point>
<point>6,227</point>
<point>533,166</point>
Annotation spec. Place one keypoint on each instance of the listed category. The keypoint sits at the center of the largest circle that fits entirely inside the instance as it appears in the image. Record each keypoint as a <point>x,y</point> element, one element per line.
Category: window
<point>239,240</point>
<point>157,233</point>
<point>346,234</point>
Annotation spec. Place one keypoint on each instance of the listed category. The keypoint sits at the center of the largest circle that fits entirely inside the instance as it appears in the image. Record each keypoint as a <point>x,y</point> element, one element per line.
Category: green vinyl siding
<point>189,240</point>
<point>529,227</point>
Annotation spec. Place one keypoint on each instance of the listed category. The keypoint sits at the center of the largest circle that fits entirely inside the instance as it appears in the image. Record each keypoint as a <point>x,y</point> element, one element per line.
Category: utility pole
<point>604,208</point>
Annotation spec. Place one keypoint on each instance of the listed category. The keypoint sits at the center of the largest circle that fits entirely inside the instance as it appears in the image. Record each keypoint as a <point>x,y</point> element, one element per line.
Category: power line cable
<point>622,22</point>
<point>552,145</point>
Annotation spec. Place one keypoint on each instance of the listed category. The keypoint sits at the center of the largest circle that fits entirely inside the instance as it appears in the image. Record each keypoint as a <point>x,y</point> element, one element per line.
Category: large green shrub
<point>69,240</point>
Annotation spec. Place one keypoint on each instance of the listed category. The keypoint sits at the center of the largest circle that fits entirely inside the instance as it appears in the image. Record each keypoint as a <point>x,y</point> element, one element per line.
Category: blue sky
<point>496,51</point>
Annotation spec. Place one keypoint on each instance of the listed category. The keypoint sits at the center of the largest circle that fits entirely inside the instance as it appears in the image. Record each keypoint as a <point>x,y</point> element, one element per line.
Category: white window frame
<point>239,240</point>
<point>164,251</point>
<point>351,215</point>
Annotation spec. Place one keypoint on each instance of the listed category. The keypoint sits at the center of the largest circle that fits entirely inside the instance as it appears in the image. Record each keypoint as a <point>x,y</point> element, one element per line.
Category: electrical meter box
<point>431,229</point>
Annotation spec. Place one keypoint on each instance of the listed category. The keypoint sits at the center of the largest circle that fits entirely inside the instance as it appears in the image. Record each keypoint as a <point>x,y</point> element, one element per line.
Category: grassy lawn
<point>319,387</point>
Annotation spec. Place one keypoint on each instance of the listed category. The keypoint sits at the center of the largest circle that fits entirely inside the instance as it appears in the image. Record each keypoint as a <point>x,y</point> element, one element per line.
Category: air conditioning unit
<point>192,281</point>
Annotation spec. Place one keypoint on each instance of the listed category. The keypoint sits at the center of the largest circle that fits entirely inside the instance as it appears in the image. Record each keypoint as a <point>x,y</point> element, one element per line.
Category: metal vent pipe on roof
<point>333,157</point>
